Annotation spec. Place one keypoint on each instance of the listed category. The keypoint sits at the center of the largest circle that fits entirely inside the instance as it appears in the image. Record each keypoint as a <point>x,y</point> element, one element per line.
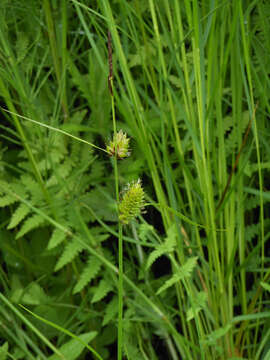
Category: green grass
<point>189,278</point>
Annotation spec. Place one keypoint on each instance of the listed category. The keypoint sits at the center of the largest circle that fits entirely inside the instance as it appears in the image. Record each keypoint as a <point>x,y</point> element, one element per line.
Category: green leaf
<point>165,248</point>
<point>20,213</point>
<point>212,338</point>
<point>265,286</point>
<point>110,311</point>
<point>34,295</point>
<point>101,290</point>
<point>31,223</point>
<point>21,46</point>
<point>71,250</point>
<point>182,273</point>
<point>58,236</point>
<point>7,200</point>
<point>199,304</point>
<point>144,230</point>
<point>90,271</point>
<point>4,351</point>
<point>73,348</point>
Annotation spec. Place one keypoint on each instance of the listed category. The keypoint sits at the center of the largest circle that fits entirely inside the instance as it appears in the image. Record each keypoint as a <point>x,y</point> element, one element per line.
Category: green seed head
<point>132,202</point>
<point>119,144</point>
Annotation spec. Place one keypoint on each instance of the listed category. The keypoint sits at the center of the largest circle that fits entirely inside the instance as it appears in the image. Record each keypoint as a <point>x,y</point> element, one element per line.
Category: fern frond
<point>21,46</point>
<point>7,200</point>
<point>132,351</point>
<point>72,249</point>
<point>215,335</point>
<point>19,189</point>
<point>63,170</point>
<point>253,230</point>
<point>130,341</point>
<point>251,168</point>
<point>19,214</point>
<point>110,311</point>
<point>252,202</point>
<point>144,230</point>
<point>58,236</point>
<point>199,304</point>
<point>90,271</point>
<point>232,139</point>
<point>165,248</point>
<point>3,186</point>
<point>182,273</point>
<point>30,223</point>
<point>101,290</point>
<point>33,188</point>
<point>97,171</point>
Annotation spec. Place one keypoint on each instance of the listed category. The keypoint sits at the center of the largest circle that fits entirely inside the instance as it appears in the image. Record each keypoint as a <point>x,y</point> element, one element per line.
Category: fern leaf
<point>215,335</point>
<point>101,290</point>
<point>20,213</point>
<point>132,351</point>
<point>231,140</point>
<point>199,304</point>
<point>58,236</point>
<point>71,250</point>
<point>110,311</point>
<point>251,231</point>
<point>21,46</point>
<point>7,200</point>
<point>165,248</point>
<point>158,252</point>
<point>130,340</point>
<point>33,187</point>
<point>265,286</point>
<point>252,202</point>
<point>183,272</point>
<point>89,272</point>
<point>19,189</point>
<point>31,223</point>
<point>144,231</point>
<point>63,170</point>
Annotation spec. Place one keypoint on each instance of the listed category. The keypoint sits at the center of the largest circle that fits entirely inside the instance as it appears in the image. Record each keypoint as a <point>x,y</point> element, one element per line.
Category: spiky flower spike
<point>132,202</point>
<point>119,143</point>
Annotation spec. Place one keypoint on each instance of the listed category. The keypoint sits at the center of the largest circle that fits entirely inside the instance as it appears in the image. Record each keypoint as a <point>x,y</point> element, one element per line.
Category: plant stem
<point>120,234</point>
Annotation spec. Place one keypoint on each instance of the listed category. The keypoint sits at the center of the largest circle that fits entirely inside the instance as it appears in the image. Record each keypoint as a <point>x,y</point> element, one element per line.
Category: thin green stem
<point>120,235</point>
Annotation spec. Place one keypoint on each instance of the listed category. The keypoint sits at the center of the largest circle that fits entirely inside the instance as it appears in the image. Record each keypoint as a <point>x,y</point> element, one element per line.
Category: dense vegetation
<point>174,265</point>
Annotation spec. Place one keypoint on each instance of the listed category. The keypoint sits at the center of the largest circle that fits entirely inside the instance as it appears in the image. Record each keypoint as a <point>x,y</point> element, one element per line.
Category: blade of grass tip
<point>57,130</point>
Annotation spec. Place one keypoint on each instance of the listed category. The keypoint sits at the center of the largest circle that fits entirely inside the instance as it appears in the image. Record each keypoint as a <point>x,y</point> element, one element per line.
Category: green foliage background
<point>191,89</point>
